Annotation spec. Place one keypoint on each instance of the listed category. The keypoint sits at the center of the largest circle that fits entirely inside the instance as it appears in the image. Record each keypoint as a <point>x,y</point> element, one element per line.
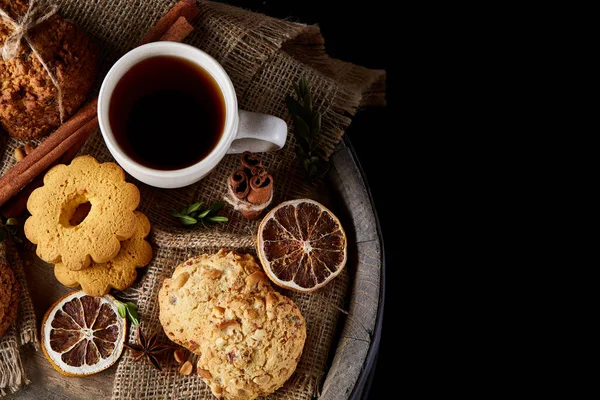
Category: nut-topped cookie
<point>118,273</point>
<point>82,213</point>
<point>9,297</point>
<point>248,336</point>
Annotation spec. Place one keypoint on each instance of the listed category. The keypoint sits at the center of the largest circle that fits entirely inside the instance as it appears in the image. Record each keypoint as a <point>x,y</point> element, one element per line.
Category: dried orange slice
<point>83,335</point>
<point>301,245</point>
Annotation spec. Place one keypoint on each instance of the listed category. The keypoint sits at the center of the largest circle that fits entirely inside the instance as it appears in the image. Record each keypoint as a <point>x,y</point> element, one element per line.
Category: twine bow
<point>34,16</point>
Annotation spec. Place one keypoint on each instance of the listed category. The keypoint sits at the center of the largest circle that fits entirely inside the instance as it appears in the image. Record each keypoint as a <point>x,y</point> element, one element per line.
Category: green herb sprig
<point>9,230</point>
<point>130,310</point>
<point>307,130</point>
<point>205,216</point>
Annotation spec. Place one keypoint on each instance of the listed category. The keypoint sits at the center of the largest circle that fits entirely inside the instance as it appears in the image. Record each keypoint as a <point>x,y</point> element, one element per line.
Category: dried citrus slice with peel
<point>301,245</point>
<point>83,335</point>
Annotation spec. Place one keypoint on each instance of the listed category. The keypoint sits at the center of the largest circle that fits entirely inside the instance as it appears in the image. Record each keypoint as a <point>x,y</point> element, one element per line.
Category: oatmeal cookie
<point>249,338</point>
<point>28,98</point>
<point>118,273</point>
<point>64,236</point>
<point>9,298</point>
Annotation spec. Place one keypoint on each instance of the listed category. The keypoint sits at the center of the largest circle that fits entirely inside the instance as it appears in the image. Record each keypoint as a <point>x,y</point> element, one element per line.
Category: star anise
<point>148,348</point>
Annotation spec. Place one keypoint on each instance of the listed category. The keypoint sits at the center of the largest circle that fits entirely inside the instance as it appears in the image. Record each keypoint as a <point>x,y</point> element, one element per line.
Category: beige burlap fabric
<point>21,332</point>
<point>263,56</point>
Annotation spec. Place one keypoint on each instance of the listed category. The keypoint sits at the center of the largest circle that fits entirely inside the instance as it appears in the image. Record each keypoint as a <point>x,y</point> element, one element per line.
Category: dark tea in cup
<point>167,113</point>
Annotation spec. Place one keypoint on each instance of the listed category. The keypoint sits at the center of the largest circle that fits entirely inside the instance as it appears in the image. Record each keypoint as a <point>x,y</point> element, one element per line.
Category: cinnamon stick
<point>73,150</point>
<point>185,8</point>
<point>16,205</point>
<point>259,171</point>
<point>48,152</point>
<point>261,188</point>
<point>239,183</point>
<point>249,161</point>
<point>179,31</point>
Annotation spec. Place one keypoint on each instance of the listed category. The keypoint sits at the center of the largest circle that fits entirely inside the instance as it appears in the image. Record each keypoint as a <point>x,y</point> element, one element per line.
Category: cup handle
<point>258,133</point>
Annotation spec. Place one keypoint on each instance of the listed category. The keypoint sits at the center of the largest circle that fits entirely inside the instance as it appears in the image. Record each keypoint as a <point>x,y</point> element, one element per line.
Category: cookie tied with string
<point>47,68</point>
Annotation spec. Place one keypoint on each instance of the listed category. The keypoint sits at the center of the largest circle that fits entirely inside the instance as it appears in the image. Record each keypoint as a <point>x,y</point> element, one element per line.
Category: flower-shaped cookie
<point>82,213</point>
<point>118,273</point>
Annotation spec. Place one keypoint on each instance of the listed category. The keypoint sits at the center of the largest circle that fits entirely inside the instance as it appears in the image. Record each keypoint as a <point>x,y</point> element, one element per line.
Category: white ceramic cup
<point>243,130</point>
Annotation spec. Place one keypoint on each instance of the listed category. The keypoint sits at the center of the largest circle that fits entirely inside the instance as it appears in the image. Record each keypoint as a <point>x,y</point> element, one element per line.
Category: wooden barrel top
<point>359,332</point>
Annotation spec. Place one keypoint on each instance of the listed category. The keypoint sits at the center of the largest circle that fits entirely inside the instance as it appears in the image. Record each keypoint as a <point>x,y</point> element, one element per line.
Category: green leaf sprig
<point>129,310</point>
<point>9,230</point>
<point>307,129</point>
<point>205,216</point>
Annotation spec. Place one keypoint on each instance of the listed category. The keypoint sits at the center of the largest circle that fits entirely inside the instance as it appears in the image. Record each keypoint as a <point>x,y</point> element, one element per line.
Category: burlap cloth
<point>263,56</point>
<point>21,332</point>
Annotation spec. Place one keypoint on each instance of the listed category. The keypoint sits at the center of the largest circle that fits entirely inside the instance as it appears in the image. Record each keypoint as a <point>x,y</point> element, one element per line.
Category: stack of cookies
<point>83,220</point>
<point>9,297</point>
<point>248,337</point>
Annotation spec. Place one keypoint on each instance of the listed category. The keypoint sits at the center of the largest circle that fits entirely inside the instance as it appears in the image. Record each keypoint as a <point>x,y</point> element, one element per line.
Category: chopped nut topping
<point>262,380</point>
<point>259,334</point>
<point>253,280</point>
<point>251,314</point>
<point>181,280</point>
<point>204,373</point>
<point>231,323</point>
<point>218,312</point>
<point>271,300</point>
<point>231,356</point>
<point>212,273</point>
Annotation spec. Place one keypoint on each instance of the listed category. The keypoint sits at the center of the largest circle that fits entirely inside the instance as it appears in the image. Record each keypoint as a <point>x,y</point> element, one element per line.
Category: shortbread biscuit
<point>9,297</point>
<point>118,273</point>
<point>249,338</point>
<point>54,208</point>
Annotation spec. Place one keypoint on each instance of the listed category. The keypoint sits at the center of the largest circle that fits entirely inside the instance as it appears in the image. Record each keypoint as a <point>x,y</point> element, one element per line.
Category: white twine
<point>20,31</point>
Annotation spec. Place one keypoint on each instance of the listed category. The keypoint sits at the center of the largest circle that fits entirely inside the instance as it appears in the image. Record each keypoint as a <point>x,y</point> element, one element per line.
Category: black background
<point>360,33</point>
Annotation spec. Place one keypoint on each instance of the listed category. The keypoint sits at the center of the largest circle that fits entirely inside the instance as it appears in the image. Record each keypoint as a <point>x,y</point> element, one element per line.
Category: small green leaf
<point>194,207</point>
<point>301,128</point>
<point>218,218</point>
<point>301,152</point>
<point>308,101</point>
<point>121,309</point>
<point>133,319</point>
<point>132,308</point>
<point>187,220</point>
<point>306,163</point>
<point>204,213</point>
<point>304,86</point>
<point>315,127</point>
<point>177,215</point>
<point>12,221</point>
<point>293,106</point>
